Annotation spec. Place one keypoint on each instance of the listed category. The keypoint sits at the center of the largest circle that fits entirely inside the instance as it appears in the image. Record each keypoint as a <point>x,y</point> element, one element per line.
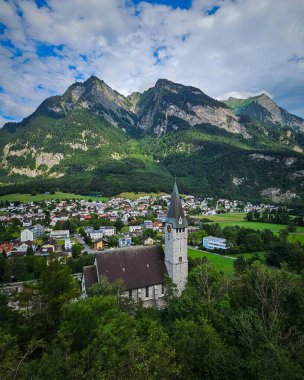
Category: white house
<point>32,233</point>
<point>27,235</point>
<point>109,231</point>
<point>135,228</point>
<point>211,242</point>
<point>125,242</point>
<point>68,244</point>
<point>60,234</point>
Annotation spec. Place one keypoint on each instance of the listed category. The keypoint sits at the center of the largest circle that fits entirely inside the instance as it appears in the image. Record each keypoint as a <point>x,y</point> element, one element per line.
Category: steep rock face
<point>167,105</point>
<point>263,108</point>
<point>94,95</point>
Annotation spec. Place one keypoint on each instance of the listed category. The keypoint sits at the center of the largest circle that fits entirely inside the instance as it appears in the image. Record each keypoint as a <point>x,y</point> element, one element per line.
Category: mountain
<point>264,109</point>
<point>92,138</point>
<point>170,106</point>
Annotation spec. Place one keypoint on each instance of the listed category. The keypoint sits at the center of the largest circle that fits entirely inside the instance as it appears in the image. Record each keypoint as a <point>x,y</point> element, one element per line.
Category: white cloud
<point>246,47</point>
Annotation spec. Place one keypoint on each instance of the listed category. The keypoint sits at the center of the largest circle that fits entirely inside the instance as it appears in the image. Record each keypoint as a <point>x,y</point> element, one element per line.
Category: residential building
<point>100,244</point>
<point>211,242</point>
<point>60,234</point>
<point>32,233</point>
<point>125,241</point>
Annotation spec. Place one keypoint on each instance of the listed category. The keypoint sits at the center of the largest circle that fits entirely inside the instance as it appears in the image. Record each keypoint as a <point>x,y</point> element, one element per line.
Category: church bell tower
<point>176,234</point>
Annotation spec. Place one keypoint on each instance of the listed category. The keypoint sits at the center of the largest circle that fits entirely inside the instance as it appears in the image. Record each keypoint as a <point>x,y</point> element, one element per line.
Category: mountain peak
<point>92,79</point>
<point>161,82</point>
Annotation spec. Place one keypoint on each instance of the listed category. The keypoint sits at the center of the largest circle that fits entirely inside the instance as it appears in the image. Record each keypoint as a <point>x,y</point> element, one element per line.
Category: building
<point>176,242</point>
<point>100,244</point>
<point>125,241</point>
<point>68,244</point>
<point>135,228</point>
<point>32,233</point>
<point>149,241</point>
<point>211,242</point>
<point>27,235</point>
<point>60,234</point>
<point>148,224</point>
<point>144,268</point>
<point>109,231</point>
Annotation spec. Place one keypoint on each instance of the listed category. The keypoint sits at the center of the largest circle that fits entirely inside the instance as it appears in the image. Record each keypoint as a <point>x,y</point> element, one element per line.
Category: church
<point>143,268</point>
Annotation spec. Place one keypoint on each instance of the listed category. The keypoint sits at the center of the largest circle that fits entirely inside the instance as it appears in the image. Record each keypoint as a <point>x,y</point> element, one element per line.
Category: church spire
<point>176,215</point>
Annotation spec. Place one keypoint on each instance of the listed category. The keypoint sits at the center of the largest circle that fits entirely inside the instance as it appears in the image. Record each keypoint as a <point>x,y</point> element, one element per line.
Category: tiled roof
<point>90,276</point>
<point>136,266</point>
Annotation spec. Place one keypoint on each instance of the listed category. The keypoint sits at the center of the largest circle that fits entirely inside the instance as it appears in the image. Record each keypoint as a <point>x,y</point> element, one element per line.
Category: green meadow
<point>24,198</point>
<point>221,263</point>
<point>237,219</point>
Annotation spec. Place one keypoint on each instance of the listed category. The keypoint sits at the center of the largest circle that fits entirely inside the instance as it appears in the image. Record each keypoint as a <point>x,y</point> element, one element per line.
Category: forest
<point>247,325</point>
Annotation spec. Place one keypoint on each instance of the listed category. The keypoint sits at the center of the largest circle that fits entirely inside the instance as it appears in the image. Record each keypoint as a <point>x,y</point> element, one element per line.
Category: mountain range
<point>93,138</point>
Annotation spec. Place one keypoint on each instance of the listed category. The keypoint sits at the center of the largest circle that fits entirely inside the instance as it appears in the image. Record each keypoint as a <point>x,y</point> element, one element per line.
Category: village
<point>70,227</point>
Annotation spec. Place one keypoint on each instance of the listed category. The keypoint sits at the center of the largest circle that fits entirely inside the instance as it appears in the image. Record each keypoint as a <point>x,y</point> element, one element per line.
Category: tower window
<point>180,260</point>
<point>147,291</point>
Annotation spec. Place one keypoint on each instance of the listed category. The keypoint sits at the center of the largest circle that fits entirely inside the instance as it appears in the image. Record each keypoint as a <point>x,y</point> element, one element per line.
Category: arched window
<point>180,260</point>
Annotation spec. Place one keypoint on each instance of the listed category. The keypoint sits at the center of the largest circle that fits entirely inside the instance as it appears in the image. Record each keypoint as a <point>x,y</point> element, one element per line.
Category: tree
<point>199,350</point>
<point>149,232</point>
<point>118,224</point>
<point>76,250</point>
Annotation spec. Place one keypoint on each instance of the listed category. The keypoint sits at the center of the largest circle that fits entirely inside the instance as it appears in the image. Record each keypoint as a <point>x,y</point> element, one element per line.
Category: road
<point>86,248</point>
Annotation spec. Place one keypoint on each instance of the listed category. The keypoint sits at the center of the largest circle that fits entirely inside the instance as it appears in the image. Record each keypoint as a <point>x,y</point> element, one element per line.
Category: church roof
<point>176,214</point>
<point>90,276</point>
<point>138,266</point>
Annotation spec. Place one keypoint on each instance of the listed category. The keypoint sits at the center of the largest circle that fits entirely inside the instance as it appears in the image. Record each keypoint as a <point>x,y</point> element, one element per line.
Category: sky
<point>224,47</point>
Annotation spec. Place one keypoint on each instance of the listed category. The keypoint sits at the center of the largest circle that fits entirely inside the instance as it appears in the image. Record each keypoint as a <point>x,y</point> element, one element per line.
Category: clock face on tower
<point>168,228</point>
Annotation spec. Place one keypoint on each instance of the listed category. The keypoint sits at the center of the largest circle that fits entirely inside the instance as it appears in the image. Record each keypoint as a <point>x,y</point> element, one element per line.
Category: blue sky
<point>224,47</point>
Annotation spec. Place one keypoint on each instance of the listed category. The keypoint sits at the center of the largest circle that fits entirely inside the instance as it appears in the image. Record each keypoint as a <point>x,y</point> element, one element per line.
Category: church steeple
<point>176,214</point>
<point>176,248</point>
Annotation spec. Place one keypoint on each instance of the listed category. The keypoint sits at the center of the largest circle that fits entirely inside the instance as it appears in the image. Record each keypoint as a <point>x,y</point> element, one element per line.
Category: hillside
<point>93,138</point>
<point>264,109</point>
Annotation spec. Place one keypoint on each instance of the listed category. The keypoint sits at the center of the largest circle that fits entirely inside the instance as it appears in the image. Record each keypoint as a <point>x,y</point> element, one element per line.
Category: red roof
<point>7,247</point>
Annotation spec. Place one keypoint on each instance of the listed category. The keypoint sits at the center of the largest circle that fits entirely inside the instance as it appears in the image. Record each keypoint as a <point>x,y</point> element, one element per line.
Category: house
<point>32,233</point>
<point>149,241</point>
<point>148,224</point>
<point>6,247</point>
<point>211,242</point>
<point>135,228</point>
<point>48,248</point>
<point>125,242</point>
<point>143,268</point>
<point>100,244</point>
<point>27,235</point>
<point>60,234</point>
<point>68,244</point>
<point>109,230</point>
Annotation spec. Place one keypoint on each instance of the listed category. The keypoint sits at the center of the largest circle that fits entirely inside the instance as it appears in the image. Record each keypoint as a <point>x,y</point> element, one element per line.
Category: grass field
<point>237,217</point>
<point>261,254</point>
<point>238,220</point>
<point>24,198</point>
<point>221,263</point>
<point>134,196</point>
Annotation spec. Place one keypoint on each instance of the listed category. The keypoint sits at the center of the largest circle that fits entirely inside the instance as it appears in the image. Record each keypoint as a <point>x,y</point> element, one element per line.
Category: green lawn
<point>221,263</point>
<point>229,217</point>
<point>41,197</point>
<point>293,237</point>
<point>237,219</point>
<point>135,196</point>
<point>261,254</point>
